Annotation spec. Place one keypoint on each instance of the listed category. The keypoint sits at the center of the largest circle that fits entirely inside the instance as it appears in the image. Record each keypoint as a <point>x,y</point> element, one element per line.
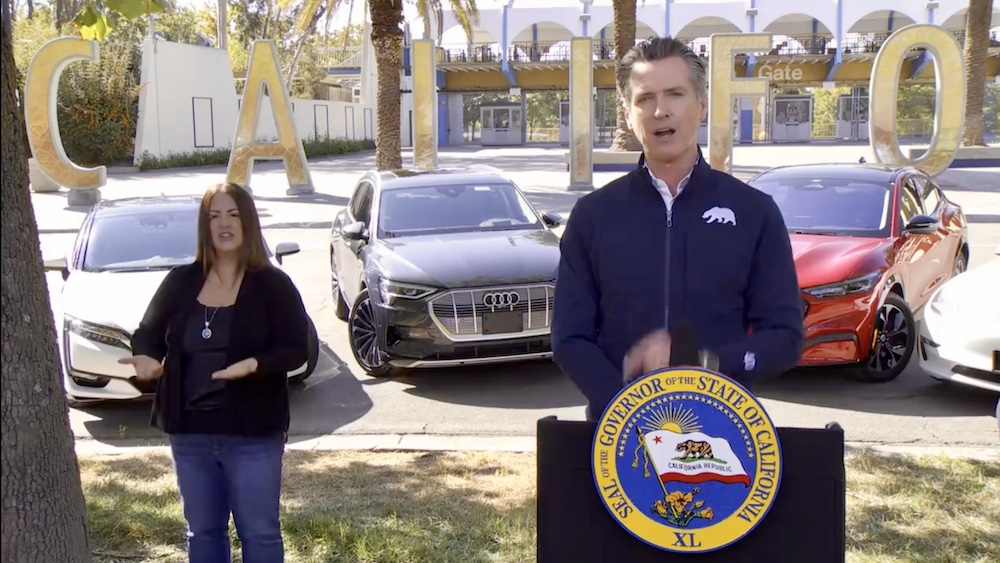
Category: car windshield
<point>831,205</point>
<point>141,240</point>
<point>453,209</point>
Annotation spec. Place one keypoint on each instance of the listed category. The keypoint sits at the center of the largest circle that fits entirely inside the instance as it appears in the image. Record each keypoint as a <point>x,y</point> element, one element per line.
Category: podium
<point>807,521</point>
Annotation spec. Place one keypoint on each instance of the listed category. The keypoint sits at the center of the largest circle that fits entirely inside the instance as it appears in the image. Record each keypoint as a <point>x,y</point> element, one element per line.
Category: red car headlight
<point>862,284</point>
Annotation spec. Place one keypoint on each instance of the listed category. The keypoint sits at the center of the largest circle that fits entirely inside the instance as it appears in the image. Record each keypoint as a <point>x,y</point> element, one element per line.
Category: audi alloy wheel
<point>362,331</point>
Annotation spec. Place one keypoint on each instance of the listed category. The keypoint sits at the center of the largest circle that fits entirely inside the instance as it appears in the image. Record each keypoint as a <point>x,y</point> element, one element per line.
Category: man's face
<point>664,111</point>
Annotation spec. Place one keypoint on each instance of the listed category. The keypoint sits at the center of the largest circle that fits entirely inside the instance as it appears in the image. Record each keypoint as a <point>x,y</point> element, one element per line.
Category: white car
<point>960,331</point>
<point>122,252</point>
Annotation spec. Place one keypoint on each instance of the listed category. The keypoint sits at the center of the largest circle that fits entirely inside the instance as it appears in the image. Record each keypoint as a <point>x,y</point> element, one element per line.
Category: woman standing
<point>221,335</point>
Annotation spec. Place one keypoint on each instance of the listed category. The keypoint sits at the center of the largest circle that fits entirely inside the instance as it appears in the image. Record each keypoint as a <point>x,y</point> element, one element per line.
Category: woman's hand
<point>146,368</point>
<point>240,369</point>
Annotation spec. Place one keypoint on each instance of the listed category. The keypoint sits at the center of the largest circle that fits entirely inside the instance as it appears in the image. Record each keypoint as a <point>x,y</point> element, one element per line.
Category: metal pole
<point>223,27</point>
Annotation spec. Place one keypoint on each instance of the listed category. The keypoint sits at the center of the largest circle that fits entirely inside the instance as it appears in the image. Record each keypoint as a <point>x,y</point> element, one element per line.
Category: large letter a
<point>263,71</point>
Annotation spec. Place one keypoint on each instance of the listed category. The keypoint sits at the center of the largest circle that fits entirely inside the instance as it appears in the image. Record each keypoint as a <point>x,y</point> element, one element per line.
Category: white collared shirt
<point>664,189</point>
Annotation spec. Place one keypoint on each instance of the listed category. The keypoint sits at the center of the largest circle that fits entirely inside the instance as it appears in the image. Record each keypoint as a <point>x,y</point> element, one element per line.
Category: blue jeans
<point>219,474</point>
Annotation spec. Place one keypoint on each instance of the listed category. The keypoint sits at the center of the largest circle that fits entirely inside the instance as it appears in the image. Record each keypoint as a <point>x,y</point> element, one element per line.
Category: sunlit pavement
<point>506,401</point>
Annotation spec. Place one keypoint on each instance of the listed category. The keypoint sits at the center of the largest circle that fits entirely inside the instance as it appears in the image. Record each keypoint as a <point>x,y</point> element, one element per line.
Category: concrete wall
<point>188,102</point>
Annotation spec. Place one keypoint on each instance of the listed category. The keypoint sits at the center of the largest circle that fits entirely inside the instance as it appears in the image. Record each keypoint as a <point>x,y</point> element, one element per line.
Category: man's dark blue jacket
<point>721,262</point>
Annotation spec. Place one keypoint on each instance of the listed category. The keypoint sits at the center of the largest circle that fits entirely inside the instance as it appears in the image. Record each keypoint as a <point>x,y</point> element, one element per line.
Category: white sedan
<point>960,331</point>
<point>122,252</point>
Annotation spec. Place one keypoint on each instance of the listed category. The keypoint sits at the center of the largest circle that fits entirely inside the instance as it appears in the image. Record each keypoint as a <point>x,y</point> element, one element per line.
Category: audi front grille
<point>459,313</point>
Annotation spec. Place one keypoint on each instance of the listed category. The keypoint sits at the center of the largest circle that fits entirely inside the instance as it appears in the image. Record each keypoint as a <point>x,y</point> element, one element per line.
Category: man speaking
<point>674,250</point>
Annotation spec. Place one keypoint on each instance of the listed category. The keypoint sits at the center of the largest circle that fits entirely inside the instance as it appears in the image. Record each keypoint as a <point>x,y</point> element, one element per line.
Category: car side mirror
<point>57,265</point>
<point>285,249</point>
<point>551,219</point>
<point>354,231</point>
<point>921,224</point>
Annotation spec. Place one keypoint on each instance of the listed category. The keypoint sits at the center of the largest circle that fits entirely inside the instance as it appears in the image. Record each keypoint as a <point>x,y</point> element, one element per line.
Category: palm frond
<point>312,11</point>
<point>465,11</point>
<point>467,14</point>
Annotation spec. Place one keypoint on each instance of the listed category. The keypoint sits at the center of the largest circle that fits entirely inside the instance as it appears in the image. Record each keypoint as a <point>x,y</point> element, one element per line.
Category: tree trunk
<point>290,79</point>
<point>43,512</point>
<point>624,21</point>
<point>294,66</point>
<point>387,42</point>
<point>306,34</point>
<point>977,44</point>
<point>347,28</point>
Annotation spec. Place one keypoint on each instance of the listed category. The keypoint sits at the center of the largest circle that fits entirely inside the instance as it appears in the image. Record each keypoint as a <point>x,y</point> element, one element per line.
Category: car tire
<point>340,307</point>
<point>360,329</point>
<point>313,358</point>
<point>893,348</point>
<point>998,415</point>
<point>960,264</point>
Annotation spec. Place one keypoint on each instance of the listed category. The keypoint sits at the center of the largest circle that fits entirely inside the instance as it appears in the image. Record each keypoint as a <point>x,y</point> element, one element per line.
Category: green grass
<point>922,509</point>
<point>366,507</point>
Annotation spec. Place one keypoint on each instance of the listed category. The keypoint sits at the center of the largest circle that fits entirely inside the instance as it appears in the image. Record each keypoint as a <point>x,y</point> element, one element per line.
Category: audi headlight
<point>109,336</point>
<point>862,284</point>
<point>390,291</point>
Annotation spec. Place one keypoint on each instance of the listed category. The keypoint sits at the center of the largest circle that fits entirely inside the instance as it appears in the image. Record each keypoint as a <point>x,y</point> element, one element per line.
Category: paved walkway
<point>524,444</point>
<point>538,170</point>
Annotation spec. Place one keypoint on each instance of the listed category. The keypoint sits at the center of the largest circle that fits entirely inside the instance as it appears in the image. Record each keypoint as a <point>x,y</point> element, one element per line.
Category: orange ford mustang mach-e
<point>871,243</point>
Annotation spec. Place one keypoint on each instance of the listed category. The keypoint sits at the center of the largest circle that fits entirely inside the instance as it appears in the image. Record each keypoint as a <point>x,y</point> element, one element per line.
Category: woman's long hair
<point>252,255</point>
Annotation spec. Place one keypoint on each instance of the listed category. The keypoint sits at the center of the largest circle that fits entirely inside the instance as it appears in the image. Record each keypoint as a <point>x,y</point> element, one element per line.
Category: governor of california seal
<point>686,460</point>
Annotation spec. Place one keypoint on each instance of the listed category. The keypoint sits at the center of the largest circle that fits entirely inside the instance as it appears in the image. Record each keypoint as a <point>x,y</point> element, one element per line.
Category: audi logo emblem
<point>501,299</point>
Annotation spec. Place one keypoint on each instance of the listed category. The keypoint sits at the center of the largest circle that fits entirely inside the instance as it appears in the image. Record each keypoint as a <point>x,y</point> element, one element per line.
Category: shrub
<point>98,106</point>
<point>314,148</point>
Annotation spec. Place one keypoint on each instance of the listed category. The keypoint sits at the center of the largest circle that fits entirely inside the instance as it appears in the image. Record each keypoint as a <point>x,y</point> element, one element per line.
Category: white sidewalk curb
<point>434,442</point>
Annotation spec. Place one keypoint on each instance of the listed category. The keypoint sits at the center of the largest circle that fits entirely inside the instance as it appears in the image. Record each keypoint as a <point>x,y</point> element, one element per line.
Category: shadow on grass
<point>475,507</point>
<point>902,508</point>
<point>337,506</point>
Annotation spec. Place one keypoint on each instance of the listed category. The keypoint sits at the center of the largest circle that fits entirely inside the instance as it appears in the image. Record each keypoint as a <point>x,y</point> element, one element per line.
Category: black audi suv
<point>443,268</point>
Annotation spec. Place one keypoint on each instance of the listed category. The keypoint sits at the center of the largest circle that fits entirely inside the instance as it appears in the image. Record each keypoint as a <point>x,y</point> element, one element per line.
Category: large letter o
<point>949,107</point>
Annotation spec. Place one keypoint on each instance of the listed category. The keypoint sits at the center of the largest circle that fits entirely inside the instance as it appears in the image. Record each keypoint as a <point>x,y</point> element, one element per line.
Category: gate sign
<point>949,115</point>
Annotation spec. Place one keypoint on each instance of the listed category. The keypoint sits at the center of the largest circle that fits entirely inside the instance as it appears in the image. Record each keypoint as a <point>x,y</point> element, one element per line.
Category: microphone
<point>684,345</point>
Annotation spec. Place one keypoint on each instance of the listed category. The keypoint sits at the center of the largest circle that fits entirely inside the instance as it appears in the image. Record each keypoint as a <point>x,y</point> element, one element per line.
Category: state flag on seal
<point>686,459</point>
<point>693,457</point>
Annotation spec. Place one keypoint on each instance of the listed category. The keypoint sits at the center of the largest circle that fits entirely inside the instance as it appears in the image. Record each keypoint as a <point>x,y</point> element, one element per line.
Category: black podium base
<point>806,523</point>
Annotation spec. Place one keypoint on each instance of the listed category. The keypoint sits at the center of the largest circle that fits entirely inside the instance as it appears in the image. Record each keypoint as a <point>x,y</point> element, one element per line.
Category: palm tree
<point>977,44</point>
<point>387,43</point>
<point>624,22</point>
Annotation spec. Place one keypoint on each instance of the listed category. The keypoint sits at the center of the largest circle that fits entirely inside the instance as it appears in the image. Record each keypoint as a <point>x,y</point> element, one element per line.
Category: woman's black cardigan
<point>269,323</point>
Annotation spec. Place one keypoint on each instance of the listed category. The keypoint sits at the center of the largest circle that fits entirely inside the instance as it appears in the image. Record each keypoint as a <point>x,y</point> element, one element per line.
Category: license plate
<point>501,322</point>
<point>996,361</point>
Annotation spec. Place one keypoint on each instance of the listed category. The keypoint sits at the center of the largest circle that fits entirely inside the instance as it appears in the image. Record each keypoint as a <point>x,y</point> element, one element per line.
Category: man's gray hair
<point>659,48</point>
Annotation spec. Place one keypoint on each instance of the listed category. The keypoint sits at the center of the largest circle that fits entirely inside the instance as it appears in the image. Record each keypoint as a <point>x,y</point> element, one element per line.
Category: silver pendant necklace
<point>206,332</point>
